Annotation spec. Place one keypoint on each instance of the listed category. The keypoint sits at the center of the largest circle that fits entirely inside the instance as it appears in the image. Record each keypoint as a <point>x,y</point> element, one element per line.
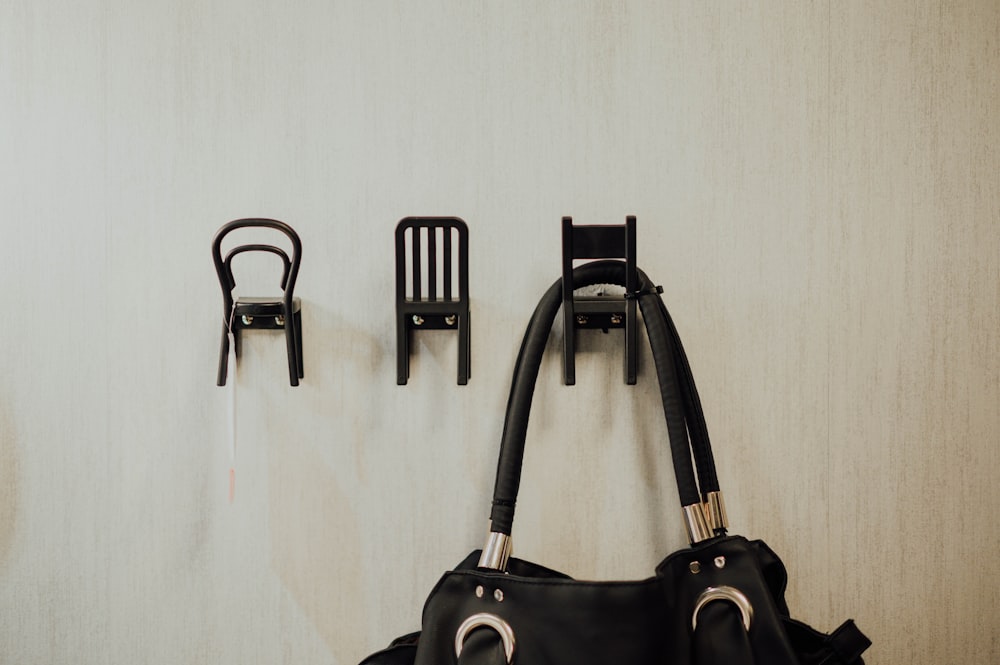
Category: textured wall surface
<point>816,187</point>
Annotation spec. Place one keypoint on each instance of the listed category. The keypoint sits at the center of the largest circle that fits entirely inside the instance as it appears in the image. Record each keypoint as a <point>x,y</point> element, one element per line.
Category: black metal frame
<point>260,313</point>
<point>603,312</point>
<point>426,309</point>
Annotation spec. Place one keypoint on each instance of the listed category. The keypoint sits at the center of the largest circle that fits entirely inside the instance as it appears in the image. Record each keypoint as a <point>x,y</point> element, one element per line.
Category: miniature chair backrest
<point>224,265</point>
<point>452,280</point>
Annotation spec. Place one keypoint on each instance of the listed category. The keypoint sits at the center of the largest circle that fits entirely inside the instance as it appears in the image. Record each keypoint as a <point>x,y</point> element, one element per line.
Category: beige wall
<point>816,186</point>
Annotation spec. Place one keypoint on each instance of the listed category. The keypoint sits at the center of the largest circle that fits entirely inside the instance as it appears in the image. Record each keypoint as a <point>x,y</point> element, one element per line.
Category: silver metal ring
<point>734,596</point>
<point>490,621</point>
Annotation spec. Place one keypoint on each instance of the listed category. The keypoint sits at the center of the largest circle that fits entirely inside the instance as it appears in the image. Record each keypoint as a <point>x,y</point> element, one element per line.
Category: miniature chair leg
<point>223,357</point>
<point>293,363</point>
<point>402,350</point>
<point>569,345</point>
<point>464,360</point>
<point>631,343</point>
<point>298,343</point>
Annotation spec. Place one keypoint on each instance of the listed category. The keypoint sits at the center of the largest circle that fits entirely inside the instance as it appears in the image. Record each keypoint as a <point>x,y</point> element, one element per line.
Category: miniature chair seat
<point>261,313</point>
<point>426,308</point>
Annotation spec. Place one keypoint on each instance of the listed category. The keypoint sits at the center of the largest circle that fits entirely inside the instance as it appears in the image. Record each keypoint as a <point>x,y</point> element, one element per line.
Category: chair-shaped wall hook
<point>276,313</point>
<point>604,311</point>
<point>432,259</point>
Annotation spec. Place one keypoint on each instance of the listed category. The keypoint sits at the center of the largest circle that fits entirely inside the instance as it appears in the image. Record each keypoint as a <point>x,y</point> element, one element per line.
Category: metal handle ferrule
<point>715,511</point>
<point>697,525</point>
<point>496,551</point>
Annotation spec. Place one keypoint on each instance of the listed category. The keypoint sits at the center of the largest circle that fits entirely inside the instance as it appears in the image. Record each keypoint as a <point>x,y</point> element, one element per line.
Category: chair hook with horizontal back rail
<point>432,246</point>
<point>599,311</point>
<point>260,313</point>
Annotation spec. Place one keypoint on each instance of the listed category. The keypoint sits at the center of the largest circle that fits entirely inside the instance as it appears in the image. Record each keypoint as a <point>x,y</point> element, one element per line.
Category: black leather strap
<point>843,646</point>
<point>846,644</point>
<point>708,481</point>
<point>482,647</point>
<point>681,405</point>
<point>721,638</point>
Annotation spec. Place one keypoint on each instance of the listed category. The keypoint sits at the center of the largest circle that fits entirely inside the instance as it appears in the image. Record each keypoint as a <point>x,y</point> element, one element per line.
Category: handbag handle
<point>681,406</point>
<point>708,481</point>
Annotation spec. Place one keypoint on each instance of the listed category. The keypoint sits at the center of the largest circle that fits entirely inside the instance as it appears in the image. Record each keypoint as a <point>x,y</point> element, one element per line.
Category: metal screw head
<point>581,319</point>
<point>418,320</point>
<point>479,591</point>
<point>694,567</point>
<point>498,595</point>
<point>616,319</point>
<point>450,319</point>
<point>280,319</point>
<point>247,320</point>
<point>720,562</point>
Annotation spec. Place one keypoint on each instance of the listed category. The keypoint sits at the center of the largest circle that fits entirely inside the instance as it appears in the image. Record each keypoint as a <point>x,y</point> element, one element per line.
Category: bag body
<point>719,601</point>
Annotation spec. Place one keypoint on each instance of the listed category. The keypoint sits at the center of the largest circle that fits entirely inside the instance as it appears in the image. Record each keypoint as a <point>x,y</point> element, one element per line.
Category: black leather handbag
<point>718,602</point>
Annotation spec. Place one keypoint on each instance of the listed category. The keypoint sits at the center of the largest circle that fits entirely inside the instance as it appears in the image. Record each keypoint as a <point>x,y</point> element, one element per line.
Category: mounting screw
<point>498,595</point>
<point>247,320</point>
<point>581,319</point>
<point>616,319</point>
<point>720,562</point>
<point>479,591</point>
<point>694,567</point>
<point>280,319</point>
<point>450,319</point>
<point>418,320</point>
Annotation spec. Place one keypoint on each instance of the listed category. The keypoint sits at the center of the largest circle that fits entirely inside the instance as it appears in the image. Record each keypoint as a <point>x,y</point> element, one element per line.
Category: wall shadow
<point>9,482</point>
<point>315,542</point>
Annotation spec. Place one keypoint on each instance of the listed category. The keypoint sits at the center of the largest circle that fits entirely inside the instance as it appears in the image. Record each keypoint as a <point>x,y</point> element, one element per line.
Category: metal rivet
<point>581,319</point>
<point>247,320</point>
<point>280,319</point>
<point>418,320</point>
<point>720,562</point>
<point>695,567</point>
<point>479,592</point>
<point>498,595</point>
<point>616,319</point>
<point>450,319</point>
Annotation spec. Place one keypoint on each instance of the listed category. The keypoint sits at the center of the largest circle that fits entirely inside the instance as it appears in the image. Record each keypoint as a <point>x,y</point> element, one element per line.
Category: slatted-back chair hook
<point>284,313</point>
<point>603,311</point>
<point>432,259</point>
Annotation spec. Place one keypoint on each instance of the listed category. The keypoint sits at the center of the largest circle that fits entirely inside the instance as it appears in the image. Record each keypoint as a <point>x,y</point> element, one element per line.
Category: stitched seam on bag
<point>650,581</point>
